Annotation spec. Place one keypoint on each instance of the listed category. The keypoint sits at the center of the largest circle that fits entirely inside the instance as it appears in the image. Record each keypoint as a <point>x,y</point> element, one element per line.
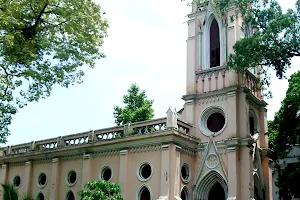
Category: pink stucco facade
<point>216,149</point>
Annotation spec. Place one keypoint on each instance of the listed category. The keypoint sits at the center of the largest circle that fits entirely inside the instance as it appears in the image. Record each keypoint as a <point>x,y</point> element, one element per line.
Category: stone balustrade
<point>252,83</point>
<point>96,136</point>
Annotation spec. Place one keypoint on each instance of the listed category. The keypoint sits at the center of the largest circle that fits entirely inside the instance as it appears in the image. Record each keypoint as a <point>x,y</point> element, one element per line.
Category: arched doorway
<point>212,186</point>
<point>216,192</point>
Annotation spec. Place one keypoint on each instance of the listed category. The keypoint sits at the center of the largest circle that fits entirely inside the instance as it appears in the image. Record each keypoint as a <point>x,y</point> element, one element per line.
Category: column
<point>164,173</point>
<point>54,178</point>
<point>124,160</point>
<point>86,169</point>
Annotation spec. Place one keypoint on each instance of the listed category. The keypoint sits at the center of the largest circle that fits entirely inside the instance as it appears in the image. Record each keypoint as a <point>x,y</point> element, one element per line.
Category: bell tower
<point>227,111</point>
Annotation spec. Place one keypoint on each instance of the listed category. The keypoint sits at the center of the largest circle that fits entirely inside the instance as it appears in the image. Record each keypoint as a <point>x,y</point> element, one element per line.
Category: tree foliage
<point>43,43</point>
<point>101,190</point>
<point>9,192</point>
<point>137,107</point>
<point>272,37</point>
<point>284,133</point>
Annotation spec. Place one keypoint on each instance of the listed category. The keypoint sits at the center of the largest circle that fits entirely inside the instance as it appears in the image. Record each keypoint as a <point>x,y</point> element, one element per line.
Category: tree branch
<point>38,19</point>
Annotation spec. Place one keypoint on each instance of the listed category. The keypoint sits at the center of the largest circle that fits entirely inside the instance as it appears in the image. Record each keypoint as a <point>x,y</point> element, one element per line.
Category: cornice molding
<point>189,152</point>
<point>72,157</point>
<point>255,102</point>
<point>216,94</point>
<point>227,145</point>
<point>16,164</point>
<point>40,161</point>
<point>106,153</point>
<point>212,99</point>
<point>145,149</point>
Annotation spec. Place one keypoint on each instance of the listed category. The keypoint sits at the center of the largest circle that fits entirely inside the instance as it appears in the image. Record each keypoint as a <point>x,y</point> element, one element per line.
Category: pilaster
<point>86,169</point>
<point>4,170</point>
<point>245,173</point>
<point>232,172</point>
<point>28,176</point>
<point>124,161</point>
<point>165,170</point>
<point>175,166</point>
<point>54,178</point>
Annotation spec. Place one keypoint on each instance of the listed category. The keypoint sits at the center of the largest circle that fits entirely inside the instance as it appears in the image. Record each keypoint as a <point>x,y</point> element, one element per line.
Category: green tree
<point>272,37</point>
<point>137,107</point>
<point>9,192</point>
<point>44,43</point>
<point>284,133</point>
<point>100,190</point>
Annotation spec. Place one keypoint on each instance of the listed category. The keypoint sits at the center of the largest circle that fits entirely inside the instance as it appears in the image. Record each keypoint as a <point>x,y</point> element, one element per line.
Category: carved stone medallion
<point>212,161</point>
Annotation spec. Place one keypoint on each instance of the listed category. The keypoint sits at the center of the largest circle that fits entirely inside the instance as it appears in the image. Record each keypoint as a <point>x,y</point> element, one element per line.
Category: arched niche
<point>213,182</point>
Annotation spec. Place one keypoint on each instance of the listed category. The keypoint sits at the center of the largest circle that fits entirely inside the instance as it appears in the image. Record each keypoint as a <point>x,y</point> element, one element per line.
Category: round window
<point>185,173</point>
<point>215,122</point>
<point>71,178</point>
<point>144,172</point>
<point>106,174</point>
<point>17,181</point>
<point>212,121</point>
<point>42,180</point>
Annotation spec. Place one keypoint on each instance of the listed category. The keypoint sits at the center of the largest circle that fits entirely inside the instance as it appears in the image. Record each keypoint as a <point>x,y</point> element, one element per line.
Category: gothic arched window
<point>144,194</point>
<point>214,44</point>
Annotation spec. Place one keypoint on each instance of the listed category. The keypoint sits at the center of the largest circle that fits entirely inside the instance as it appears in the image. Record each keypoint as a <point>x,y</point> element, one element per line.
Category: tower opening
<point>216,192</point>
<point>214,44</point>
<point>252,125</point>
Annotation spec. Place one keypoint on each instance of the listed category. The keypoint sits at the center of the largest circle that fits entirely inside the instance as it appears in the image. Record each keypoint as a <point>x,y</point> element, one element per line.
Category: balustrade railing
<point>117,132</point>
<point>252,83</point>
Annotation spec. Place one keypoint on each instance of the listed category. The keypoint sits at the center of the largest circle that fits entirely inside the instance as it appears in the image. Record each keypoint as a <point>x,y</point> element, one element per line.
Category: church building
<point>214,148</point>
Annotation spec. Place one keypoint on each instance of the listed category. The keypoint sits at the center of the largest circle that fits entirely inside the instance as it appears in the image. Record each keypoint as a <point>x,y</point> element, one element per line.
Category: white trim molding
<point>204,117</point>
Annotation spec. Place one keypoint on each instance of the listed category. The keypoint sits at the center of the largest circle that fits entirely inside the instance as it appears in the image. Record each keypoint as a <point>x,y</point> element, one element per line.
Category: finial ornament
<point>172,118</point>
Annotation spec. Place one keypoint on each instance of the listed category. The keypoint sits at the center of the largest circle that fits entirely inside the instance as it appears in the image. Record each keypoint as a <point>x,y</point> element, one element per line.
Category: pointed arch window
<point>144,193</point>
<point>214,38</point>
<point>184,194</point>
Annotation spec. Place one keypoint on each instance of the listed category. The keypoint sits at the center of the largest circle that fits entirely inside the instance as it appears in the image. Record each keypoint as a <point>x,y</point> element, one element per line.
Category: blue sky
<point>146,45</point>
